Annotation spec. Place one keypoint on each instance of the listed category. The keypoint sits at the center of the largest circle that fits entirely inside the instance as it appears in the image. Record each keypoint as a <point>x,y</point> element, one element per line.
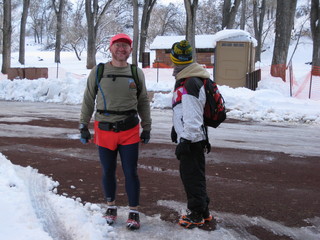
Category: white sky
<point>167,2</point>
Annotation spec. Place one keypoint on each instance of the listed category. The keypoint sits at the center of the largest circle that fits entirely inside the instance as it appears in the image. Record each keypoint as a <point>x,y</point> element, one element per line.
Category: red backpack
<point>214,108</point>
<point>214,111</point>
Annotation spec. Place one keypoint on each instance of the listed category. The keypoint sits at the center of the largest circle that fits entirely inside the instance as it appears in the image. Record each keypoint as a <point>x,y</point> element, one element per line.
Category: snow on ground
<point>30,209</point>
<point>29,206</point>
<point>270,102</point>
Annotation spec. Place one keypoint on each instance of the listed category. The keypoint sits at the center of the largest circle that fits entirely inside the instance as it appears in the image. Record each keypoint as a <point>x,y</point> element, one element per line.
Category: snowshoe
<point>207,217</point>
<point>191,220</point>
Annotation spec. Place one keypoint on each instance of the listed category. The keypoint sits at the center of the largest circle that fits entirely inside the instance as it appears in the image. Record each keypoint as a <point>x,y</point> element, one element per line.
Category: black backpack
<point>99,74</point>
<point>134,73</point>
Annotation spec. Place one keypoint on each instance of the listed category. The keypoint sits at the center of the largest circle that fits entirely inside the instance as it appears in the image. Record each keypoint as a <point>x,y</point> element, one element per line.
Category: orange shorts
<point>111,139</point>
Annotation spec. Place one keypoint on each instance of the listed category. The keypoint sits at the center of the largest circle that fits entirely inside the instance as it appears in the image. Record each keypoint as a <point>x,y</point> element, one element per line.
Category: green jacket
<point>119,94</point>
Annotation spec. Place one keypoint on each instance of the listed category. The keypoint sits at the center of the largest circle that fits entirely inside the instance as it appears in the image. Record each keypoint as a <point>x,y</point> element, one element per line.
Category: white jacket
<point>188,103</point>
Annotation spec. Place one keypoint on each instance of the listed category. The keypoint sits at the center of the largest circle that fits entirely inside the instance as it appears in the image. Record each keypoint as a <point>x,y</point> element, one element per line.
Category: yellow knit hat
<point>181,52</point>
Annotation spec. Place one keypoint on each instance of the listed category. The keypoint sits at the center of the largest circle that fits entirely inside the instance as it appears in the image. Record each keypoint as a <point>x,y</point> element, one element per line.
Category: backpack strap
<point>207,145</point>
<point>99,75</point>
<point>134,72</point>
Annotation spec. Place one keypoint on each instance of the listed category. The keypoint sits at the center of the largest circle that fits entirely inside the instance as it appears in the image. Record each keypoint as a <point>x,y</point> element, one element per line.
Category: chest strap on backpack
<point>114,76</point>
<point>99,75</point>
<point>128,112</point>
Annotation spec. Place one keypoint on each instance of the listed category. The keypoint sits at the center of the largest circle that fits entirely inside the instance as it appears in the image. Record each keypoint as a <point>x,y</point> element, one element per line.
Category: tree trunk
<point>26,4</point>
<point>243,14</point>
<point>225,13</point>
<point>145,20</point>
<point>258,26</point>
<point>93,23</point>
<point>59,15</point>
<point>315,30</point>
<point>7,31</point>
<point>191,10</point>
<point>91,44</point>
<point>229,13</point>
<point>284,24</point>
<point>135,32</point>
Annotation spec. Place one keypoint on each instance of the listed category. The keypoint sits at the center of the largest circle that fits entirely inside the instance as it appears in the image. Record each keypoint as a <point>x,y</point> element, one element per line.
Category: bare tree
<point>166,20</point>
<point>135,32</point>
<point>243,14</point>
<point>145,20</point>
<point>94,16</point>
<point>258,20</point>
<point>315,30</point>
<point>58,9</point>
<point>26,4</point>
<point>271,6</point>
<point>75,34</point>
<point>284,24</point>
<point>118,18</point>
<point>41,19</point>
<point>209,17</point>
<point>229,13</point>
<point>191,11</point>
<point>7,31</point>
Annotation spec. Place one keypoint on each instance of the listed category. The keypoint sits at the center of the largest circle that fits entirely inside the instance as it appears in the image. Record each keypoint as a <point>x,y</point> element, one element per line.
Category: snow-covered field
<point>29,206</point>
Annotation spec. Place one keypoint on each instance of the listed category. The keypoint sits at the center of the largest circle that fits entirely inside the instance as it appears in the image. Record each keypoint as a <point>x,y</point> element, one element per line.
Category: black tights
<point>129,160</point>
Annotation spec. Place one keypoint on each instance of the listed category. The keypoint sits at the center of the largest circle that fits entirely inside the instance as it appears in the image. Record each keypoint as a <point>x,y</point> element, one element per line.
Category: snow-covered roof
<point>165,42</point>
<point>204,41</point>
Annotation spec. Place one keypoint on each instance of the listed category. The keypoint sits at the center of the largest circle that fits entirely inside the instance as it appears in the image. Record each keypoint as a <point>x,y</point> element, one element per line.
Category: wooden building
<point>162,46</point>
<point>230,52</point>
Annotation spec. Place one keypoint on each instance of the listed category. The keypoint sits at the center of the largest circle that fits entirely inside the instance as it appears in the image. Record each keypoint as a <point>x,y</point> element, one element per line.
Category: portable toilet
<point>234,57</point>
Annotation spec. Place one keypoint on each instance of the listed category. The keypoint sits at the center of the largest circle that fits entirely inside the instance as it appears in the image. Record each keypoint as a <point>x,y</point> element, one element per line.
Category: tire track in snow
<point>43,208</point>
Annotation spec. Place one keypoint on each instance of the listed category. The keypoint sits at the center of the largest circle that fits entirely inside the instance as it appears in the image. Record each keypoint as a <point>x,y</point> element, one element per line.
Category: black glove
<point>183,148</point>
<point>174,135</point>
<point>85,134</point>
<point>145,136</point>
<point>207,146</point>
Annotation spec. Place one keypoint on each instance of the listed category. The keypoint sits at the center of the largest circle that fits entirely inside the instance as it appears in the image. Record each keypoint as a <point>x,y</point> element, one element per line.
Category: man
<point>120,100</point>
<point>189,132</point>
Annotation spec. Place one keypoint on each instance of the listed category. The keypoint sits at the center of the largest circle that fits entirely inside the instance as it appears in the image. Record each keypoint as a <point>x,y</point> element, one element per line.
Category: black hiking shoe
<point>133,222</point>
<point>111,215</point>
<point>191,220</point>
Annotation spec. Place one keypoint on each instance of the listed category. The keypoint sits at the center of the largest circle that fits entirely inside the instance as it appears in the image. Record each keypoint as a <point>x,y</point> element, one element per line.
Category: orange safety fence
<point>160,65</point>
<point>315,71</point>
<point>303,86</point>
<point>279,70</point>
<point>306,87</point>
<point>309,87</point>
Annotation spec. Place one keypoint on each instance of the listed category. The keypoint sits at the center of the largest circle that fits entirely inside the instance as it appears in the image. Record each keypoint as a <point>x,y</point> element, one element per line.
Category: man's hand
<point>174,135</point>
<point>85,135</point>
<point>145,136</point>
